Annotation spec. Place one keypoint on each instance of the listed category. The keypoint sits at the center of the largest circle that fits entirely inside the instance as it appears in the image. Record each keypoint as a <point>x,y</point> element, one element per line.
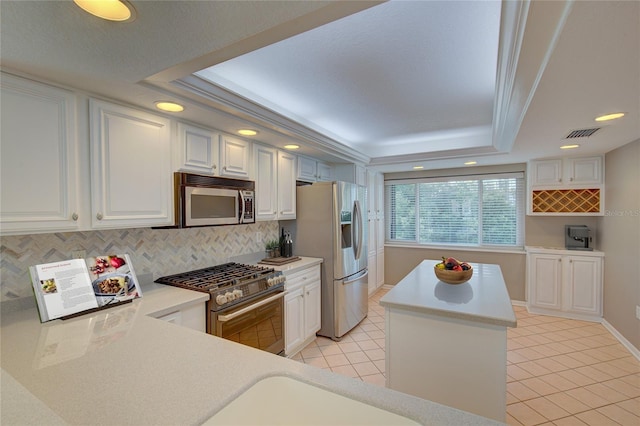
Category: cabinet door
<point>307,169</point>
<point>583,280</point>
<point>286,186</point>
<point>131,178</point>
<point>581,171</point>
<point>545,281</point>
<point>311,309</point>
<point>546,172</point>
<point>380,268</point>
<point>372,265</point>
<point>294,320</point>
<point>234,157</point>
<point>199,149</point>
<point>266,182</point>
<point>379,188</point>
<point>38,170</point>
<point>324,172</point>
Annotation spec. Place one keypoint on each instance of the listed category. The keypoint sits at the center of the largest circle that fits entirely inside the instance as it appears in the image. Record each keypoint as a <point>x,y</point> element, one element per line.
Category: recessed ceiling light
<point>470,163</point>
<point>612,116</point>
<point>247,132</point>
<point>169,106</point>
<point>291,146</point>
<point>418,167</point>
<point>570,146</point>
<point>111,10</point>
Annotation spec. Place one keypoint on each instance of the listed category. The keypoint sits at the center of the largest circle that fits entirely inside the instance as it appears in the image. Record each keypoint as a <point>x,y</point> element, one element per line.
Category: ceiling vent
<point>582,133</point>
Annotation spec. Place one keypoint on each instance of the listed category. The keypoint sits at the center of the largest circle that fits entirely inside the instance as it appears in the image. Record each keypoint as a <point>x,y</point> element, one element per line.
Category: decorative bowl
<point>453,277</point>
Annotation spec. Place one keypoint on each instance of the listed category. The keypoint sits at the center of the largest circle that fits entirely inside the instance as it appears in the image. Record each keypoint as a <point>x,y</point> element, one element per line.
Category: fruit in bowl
<point>452,271</point>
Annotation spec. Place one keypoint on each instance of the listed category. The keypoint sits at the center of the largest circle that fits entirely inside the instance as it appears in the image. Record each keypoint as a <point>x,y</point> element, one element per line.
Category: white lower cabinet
<point>193,317</point>
<point>301,309</point>
<point>565,283</point>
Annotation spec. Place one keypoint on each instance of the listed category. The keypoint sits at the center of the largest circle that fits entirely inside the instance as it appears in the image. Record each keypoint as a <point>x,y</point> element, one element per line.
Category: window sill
<point>512,250</point>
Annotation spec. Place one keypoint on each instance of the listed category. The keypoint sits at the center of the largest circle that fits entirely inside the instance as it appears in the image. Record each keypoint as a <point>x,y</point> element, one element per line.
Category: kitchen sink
<point>281,400</point>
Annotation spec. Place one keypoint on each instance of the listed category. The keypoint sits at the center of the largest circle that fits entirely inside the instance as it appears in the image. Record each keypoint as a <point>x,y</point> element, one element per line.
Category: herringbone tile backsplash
<point>157,251</point>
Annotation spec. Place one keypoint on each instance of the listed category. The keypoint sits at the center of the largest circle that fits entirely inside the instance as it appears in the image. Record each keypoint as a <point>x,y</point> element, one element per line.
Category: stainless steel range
<point>246,303</point>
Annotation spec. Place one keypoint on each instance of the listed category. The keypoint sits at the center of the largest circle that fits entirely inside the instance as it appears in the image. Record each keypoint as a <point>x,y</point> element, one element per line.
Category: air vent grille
<point>582,133</point>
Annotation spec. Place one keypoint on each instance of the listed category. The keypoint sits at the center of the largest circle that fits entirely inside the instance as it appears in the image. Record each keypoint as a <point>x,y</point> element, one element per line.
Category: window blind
<point>480,210</point>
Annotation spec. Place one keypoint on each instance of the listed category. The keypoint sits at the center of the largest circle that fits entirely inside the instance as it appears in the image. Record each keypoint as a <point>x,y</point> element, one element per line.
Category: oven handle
<point>229,317</point>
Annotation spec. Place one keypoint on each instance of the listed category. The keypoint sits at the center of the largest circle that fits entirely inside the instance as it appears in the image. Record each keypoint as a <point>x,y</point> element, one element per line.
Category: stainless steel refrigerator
<point>330,224</point>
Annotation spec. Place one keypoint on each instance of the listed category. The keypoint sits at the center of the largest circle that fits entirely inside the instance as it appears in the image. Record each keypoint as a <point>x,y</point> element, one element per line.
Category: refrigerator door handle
<point>357,278</point>
<point>357,230</point>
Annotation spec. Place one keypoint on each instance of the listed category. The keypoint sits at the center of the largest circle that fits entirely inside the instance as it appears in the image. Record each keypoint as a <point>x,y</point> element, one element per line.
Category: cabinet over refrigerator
<point>330,225</point>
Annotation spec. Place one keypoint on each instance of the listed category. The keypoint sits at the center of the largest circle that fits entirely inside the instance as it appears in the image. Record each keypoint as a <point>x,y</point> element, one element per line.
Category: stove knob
<point>270,282</point>
<point>237,293</point>
<point>221,299</point>
<point>230,296</point>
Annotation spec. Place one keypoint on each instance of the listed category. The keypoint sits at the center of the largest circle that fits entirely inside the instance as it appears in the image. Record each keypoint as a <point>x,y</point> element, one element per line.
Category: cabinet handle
<point>570,179</point>
<point>560,180</point>
<point>99,216</point>
<point>215,167</point>
<point>275,212</point>
<point>74,216</point>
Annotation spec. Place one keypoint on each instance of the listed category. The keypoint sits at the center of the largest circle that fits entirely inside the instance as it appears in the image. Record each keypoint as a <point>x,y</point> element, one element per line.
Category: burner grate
<point>215,277</point>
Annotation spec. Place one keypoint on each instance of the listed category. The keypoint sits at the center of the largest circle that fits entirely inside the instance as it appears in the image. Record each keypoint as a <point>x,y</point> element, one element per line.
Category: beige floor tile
<point>588,398</point>
<point>577,378</point>
<point>511,421</point>
<point>551,365</point>
<point>611,395</point>
<point>521,392</point>
<point>346,347</point>
<point>628,363</point>
<point>547,408</point>
<point>511,399</point>
<point>631,405</point>
<point>558,382</point>
<point>619,415</point>
<point>323,341</point>
<point>311,351</point>
<point>366,368</point>
<point>380,365</point>
<point>529,354</point>
<point>610,369</point>
<point>525,414</point>
<point>534,368</point>
<point>345,370</point>
<point>360,336</point>
<point>375,354</point>
<point>594,418</point>
<point>567,402</point>
<point>576,345</point>
<point>355,357</point>
<point>623,387</point>
<point>330,349</point>
<point>376,334</point>
<point>368,344</point>
<point>317,362</point>
<point>336,360</point>
<point>593,373</point>
<point>567,361</point>
<point>518,373</point>
<point>514,357</point>
<point>569,421</point>
<point>376,379</point>
<point>539,386</point>
<point>632,379</point>
<point>380,342</point>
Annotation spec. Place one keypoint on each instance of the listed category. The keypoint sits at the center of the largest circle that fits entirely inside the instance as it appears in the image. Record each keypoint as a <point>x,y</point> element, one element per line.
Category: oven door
<point>259,323</point>
<point>211,206</point>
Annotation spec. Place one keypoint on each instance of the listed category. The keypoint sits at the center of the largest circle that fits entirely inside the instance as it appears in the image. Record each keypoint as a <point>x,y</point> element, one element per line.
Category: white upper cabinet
<point>275,176</point>
<point>131,176</point>
<point>311,170</point>
<point>235,157</point>
<point>265,175</point>
<point>566,173</point>
<point>353,173</point>
<point>199,150</point>
<point>39,168</point>
<point>286,185</point>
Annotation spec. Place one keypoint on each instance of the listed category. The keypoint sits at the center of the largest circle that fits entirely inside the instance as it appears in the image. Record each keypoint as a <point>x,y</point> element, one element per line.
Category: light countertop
<point>122,366</point>
<point>484,298</point>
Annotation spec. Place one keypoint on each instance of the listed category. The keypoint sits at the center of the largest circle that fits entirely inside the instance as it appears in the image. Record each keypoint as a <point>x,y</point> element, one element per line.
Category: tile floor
<point>559,371</point>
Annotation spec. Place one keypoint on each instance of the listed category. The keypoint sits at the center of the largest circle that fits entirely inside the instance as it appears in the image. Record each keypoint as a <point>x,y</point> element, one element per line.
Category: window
<point>485,210</point>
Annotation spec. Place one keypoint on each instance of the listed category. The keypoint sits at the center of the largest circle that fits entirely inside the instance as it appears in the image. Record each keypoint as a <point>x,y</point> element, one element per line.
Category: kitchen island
<point>124,366</point>
<point>448,343</point>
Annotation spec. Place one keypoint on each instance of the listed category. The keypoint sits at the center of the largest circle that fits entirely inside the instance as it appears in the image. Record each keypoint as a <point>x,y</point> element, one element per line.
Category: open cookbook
<point>72,286</point>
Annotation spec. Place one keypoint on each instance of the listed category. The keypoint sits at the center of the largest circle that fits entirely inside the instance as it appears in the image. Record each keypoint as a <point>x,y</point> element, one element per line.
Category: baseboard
<point>518,303</point>
<point>627,344</point>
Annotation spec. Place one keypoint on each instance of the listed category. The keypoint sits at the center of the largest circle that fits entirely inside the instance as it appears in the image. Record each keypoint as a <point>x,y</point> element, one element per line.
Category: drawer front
<point>302,277</point>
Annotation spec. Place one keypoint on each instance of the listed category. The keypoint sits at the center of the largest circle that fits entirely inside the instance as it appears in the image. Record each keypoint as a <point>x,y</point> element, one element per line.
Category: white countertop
<point>122,366</point>
<point>563,251</point>
<point>303,263</point>
<point>484,298</point>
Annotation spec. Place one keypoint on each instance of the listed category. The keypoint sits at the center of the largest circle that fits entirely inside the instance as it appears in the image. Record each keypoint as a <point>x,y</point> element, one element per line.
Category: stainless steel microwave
<point>208,200</point>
